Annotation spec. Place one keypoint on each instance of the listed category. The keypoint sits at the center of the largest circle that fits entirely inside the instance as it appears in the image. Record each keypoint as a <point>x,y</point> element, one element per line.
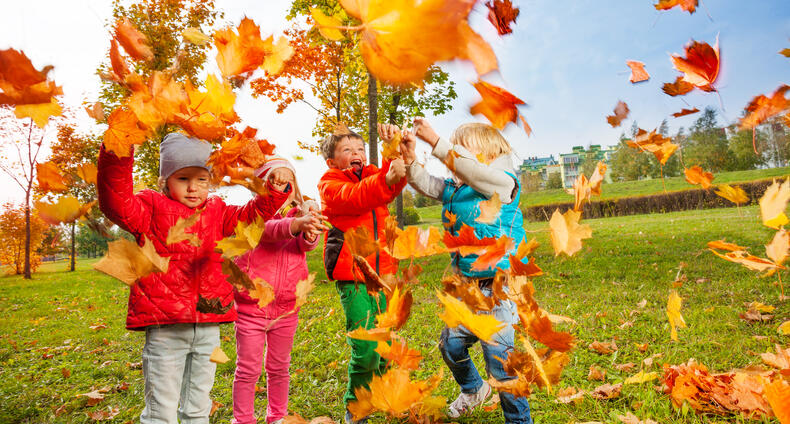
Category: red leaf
<point>498,105</point>
<point>501,14</point>
<point>685,112</point>
<point>638,72</point>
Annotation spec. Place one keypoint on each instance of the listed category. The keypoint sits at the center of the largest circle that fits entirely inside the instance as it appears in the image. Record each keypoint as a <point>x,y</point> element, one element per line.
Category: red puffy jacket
<point>350,201</point>
<point>193,289</point>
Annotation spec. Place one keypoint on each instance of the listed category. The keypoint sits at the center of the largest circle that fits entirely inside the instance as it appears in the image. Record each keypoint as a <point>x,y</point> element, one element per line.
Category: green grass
<point>627,260</point>
<point>654,186</point>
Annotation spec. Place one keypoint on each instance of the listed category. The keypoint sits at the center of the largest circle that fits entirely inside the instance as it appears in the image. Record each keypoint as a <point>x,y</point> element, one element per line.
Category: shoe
<point>280,421</point>
<point>467,402</point>
<point>349,419</point>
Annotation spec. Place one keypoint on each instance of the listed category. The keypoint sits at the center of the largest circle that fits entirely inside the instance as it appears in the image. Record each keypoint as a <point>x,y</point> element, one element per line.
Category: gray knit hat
<point>179,151</point>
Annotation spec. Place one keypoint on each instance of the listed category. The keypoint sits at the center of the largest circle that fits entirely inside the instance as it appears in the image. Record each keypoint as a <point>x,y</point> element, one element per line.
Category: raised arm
<point>117,200</point>
<point>486,179</point>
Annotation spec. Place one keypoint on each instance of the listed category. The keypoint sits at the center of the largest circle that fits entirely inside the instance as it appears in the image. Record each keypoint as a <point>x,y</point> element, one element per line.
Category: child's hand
<point>280,178</point>
<point>407,147</point>
<point>388,131</point>
<point>425,132</point>
<point>310,224</point>
<point>396,172</point>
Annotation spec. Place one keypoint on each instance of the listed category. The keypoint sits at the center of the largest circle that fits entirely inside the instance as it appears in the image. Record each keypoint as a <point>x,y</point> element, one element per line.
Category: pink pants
<point>251,338</point>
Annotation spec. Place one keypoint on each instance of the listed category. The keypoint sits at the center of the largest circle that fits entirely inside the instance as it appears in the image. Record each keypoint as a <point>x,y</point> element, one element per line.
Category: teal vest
<point>464,202</point>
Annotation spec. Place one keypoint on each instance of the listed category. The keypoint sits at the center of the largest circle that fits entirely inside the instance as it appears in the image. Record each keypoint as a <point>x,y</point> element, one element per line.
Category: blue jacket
<point>464,202</point>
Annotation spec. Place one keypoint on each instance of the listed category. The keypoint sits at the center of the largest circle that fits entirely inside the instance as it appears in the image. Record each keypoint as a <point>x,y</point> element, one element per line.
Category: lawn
<point>654,186</point>
<point>49,352</point>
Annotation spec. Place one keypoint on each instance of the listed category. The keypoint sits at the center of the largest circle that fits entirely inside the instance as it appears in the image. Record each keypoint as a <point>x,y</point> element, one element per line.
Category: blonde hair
<point>481,138</point>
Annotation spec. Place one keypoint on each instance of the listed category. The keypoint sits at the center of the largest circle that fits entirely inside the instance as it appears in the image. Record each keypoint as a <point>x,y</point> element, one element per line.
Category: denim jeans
<point>178,374</point>
<point>455,343</point>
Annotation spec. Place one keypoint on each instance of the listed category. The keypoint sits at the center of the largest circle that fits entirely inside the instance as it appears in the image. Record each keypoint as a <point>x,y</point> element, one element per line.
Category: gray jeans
<point>178,374</point>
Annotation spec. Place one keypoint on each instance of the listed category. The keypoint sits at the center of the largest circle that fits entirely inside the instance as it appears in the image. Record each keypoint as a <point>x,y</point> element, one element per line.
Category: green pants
<point>361,310</point>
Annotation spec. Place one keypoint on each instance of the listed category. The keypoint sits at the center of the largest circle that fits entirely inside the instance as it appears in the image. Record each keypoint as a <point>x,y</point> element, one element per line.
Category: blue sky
<point>565,58</point>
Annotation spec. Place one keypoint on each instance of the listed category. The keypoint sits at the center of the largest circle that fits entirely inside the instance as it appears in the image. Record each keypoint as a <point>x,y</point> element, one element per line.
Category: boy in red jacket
<point>354,195</point>
<point>180,310</point>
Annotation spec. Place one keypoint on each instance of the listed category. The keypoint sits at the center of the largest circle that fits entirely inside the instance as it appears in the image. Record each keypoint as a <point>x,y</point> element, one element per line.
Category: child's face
<point>349,153</point>
<point>189,186</point>
<point>280,178</point>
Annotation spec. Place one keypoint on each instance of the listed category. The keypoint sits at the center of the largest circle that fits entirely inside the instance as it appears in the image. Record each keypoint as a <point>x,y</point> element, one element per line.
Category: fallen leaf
<point>246,237</point>
<point>457,313</point>
<point>218,356</point>
<point>638,72</point>
<point>498,106</point>
<point>467,242</point>
<point>87,172</point>
<point>596,373</point>
<point>733,194</point>
<point>607,391</point>
<point>327,25</point>
<point>641,377</point>
<point>749,261</point>
<point>695,175</point>
<point>566,232</point>
<point>684,112</point>
<point>501,14</point>
<point>673,313</point>
<point>604,348</point>
<point>777,393</point>
<point>620,113</point>
<point>128,262</point>
<point>784,328</point>
<point>240,53</point>
<point>628,366</point>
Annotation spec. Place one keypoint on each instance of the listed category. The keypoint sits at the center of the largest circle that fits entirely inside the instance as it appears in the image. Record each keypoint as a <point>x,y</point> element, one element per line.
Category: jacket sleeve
<point>345,197</point>
<point>424,182</point>
<point>484,178</point>
<point>264,206</point>
<point>277,230</point>
<point>306,245</point>
<point>117,200</point>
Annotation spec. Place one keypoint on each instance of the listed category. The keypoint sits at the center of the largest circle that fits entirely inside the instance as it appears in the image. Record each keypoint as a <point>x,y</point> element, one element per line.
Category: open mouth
<point>356,164</point>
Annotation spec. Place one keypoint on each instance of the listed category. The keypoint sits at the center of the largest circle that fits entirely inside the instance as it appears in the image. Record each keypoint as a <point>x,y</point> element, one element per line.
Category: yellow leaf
<point>68,209</point>
<point>773,204</point>
<point>566,232</point>
<point>784,329</point>
<point>195,36</point>
<point>761,307</point>
<point>263,292</point>
<point>218,356</point>
<point>777,249</point>
<point>303,288</point>
<point>327,25</point>
<point>87,172</point>
<point>218,99</point>
<point>489,210</point>
<point>391,149</point>
<point>673,313</point>
<point>641,377</point>
<point>128,262</point>
<point>415,242</point>
<point>40,113</point>
<point>393,393</point>
<point>457,313</point>
<point>275,60</point>
<point>374,334</point>
<point>246,238</point>
<point>177,232</point>
<point>733,194</point>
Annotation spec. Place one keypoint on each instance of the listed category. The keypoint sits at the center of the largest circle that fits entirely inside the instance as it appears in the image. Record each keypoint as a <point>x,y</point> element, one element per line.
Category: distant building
<point>540,167</point>
<point>571,163</point>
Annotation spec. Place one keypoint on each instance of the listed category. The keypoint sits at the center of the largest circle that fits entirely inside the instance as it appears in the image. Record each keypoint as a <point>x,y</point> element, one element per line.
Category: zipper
<point>458,255</point>
<point>376,237</point>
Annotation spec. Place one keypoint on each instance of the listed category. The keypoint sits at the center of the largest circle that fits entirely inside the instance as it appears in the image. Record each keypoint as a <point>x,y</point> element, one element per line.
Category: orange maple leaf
<point>21,83</point>
<point>684,112</point>
<point>87,172</point>
<point>133,41</point>
<point>493,253</point>
<point>501,14</point>
<point>400,51</point>
<point>128,262</point>
<point>677,88</point>
<point>688,5</point>
<point>761,108</point>
<point>240,53</point>
<point>159,101</point>
<point>489,209</point>
<point>530,269</point>
<point>749,261</point>
<point>466,242</point>
<point>723,245</point>
<point>778,395</point>
<point>451,219</point>
<point>498,106</point>
<point>399,353</point>
<point>398,310</point>
<point>638,72</point>
<point>700,66</point>
<point>50,178</point>
<point>661,147</point>
<point>117,63</point>
<point>122,132</point>
<point>695,175</point>
<point>415,242</point>
<point>584,189</point>
<point>620,113</point>
<point>393,393</point>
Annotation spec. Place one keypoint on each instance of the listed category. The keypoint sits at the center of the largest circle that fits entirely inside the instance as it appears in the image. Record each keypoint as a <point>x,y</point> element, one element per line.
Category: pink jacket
<point>279,259</point>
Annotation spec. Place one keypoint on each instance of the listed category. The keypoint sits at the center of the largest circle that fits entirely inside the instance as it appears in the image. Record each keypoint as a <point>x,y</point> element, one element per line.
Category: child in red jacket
<point>181,309</point>
<point>354,195</point>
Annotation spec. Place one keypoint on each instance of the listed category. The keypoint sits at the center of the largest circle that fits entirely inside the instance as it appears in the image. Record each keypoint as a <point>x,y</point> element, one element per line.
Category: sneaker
<point>349,419</point>
<point>467,402</point>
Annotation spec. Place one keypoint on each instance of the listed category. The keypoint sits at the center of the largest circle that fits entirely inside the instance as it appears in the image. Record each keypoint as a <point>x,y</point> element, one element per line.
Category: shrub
<point>664,202</point>
<point>410,216</point>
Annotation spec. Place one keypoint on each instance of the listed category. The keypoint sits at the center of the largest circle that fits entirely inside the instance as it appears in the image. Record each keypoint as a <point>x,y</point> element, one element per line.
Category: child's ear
<point>330,163</point>
<point>161,183</point>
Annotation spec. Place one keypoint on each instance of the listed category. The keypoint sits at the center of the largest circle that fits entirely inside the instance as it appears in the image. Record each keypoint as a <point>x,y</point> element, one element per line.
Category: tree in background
<point>163,22</point>
<point>89,242</point>
<point>707,144</point>
<point>26,138</point>
<point>69,152</point>
<point>53,243</point>
<point>741,151</point>
<point>777,139</point>
<point>554,181</point>
<point>627,163</point>
<point>21,234</point>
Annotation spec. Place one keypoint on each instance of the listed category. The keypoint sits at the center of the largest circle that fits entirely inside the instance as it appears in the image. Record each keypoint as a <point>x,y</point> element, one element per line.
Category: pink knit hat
<point>274,162</point>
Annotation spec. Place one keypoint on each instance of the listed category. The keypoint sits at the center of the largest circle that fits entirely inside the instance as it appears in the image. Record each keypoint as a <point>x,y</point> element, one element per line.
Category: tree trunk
<point>373,118</point>
<point>73,244</point>
<point>399,199</point>
<point>28,276</point>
